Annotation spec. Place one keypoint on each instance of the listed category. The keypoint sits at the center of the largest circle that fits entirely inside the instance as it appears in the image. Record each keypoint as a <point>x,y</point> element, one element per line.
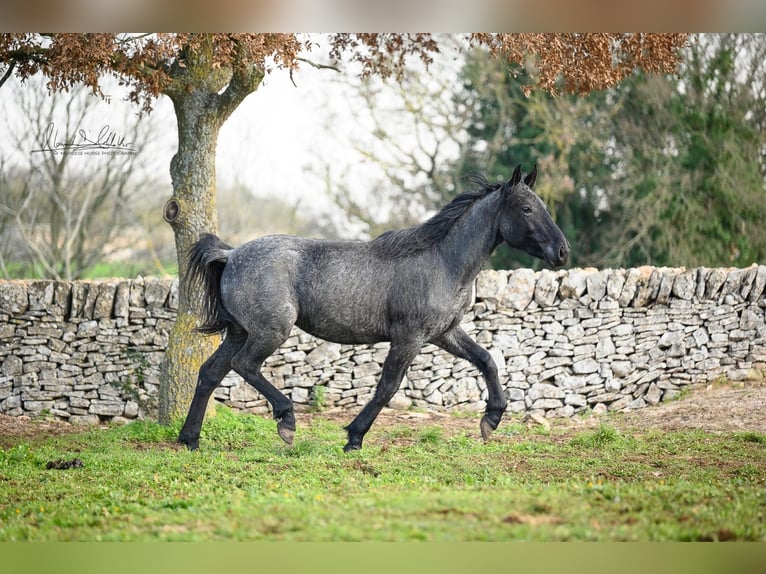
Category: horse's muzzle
<point>561,255</point>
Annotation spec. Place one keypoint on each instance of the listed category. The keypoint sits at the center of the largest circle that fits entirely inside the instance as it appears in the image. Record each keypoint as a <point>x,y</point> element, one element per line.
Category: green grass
<point>427,484</point>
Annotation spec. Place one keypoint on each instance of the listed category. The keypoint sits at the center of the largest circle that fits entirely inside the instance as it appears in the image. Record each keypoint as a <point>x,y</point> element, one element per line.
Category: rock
<point>544,391</point>
<point>106,408</point>
<point>605,347</point>
<point>622,368</point>
<point>585,366</point>
<point>670,338</point>
<point>653,394</point>
<point>756,291</point>
<point>685,284</point>
<point>539,419</point>
<point>13,297</point>
<point>325,354</point>
<point>104,304</point>
<point>596,284</point>
<point>629,288</point>
<point>520,289</point>
<point>714,280</point>
<point>546,288</point>
<point>599,409</point>
<point>400,401</point>
<point>156,292</point>
<point>615,283</point>
<point>573,284</point>
<point>490,285</point>
<point>12,365</point>
<point>575,400</point>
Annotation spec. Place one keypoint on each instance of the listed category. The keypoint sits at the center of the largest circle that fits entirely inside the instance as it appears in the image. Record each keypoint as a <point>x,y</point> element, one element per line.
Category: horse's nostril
<point>563,253</point>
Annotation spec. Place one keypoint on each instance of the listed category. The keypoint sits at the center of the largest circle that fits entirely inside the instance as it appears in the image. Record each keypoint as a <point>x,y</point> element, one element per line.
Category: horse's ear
<point>531,177</point>
<point>516,177</point>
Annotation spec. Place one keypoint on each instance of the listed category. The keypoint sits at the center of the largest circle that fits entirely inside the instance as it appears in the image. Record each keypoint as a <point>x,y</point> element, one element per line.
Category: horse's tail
<point>205,263</point>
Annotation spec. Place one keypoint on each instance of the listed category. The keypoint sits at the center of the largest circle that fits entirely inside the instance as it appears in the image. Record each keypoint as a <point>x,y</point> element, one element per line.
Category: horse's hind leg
<point>211,374</point>
<point>395,366</point>
<point>248,363</point>
<point>458,343</point>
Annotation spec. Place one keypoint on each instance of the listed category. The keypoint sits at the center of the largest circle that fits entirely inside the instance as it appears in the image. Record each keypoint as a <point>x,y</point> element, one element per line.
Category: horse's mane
<point>404,242</point>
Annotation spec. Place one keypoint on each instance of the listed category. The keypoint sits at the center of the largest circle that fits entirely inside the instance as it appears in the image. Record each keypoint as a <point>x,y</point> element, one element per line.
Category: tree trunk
<point>201,105</point>
<point>191,211</point>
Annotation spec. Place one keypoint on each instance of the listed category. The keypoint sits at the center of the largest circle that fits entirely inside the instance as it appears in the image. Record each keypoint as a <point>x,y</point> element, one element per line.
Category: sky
<point>267,144</point>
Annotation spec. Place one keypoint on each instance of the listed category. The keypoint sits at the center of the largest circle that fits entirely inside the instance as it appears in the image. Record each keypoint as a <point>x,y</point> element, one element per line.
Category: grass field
<point>409,483</point>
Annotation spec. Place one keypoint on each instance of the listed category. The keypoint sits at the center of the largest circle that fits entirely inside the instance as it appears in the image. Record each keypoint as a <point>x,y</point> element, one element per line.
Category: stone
<point>85,419</point>
<point>545,391</point>
<point>131,410</point>
<point>596,284</point>
<point>605,347</point>
<point>714,280</point>
<point>614,284</point>
<point>540,419</point>
<point>684,284</point>
<point>490,285</point>
<point>121,300</point>
<point>599,409</point>
<point>12,365</point>
<point>546,288</point>
<point>40,295</point>
<point>629,288</point>
<point>574,284</point>
<point>756,291</point>
<point>520,289</point>
<point>585,366</point>
<point>13,297</point>
<point>156,292</point>
<point>326,353</point>
<point>104,303</point>
<point>622,368</point>
<point>670,338</point>
<point>106,408</point>
<point>653,394</point>
<point>547,404</point>
<point>400,401</point>
<point>300,395</point>
<point>575,400</point>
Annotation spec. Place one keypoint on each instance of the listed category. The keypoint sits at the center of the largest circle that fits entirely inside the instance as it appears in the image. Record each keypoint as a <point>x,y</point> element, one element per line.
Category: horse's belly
<point>337,333</point>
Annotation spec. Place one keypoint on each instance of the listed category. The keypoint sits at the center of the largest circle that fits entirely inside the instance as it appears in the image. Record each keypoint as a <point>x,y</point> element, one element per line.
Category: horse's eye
<point>526,210</point>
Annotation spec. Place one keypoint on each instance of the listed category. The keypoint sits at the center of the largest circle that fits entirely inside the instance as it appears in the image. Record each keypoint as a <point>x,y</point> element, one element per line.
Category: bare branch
<point>7,74</point>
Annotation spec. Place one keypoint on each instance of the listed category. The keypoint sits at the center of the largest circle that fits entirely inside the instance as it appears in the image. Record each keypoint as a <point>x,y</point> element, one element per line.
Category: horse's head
<point>525,223</point>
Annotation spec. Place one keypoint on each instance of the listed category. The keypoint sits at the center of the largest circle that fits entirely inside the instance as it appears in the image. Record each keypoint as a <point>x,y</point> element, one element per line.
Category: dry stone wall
<point>564,341</point>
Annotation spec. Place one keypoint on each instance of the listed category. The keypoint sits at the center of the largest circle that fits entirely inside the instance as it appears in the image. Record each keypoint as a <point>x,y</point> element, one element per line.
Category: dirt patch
<point>712,408</point>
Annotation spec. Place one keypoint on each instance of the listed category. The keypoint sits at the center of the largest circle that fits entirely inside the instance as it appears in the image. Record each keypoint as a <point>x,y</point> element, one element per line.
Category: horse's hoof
<point>286,434</point>
<point>352,446</point>
<point>189,443</point>
<point>486,429</point>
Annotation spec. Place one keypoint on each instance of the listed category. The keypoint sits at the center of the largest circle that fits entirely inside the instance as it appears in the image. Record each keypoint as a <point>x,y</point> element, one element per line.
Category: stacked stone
<point>564,341</point>
<point>621,339</point>
<point>83,351</point>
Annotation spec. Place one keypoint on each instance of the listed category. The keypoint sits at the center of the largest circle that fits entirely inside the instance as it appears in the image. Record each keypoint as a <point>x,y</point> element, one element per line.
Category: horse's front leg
<point>395,366</point>
<point>458,343</point>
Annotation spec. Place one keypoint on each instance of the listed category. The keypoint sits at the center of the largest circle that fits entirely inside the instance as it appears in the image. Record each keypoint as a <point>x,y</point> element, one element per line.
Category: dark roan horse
<point>409,287</point>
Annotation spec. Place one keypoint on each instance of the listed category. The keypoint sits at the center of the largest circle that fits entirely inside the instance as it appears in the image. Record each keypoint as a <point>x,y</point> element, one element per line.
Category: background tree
<point>687,160</point>
<point>207,76</point>
<point>60,211</point>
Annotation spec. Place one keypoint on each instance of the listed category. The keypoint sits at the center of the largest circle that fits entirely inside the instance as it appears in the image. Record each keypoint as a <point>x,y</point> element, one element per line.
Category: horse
<point>407,287</point>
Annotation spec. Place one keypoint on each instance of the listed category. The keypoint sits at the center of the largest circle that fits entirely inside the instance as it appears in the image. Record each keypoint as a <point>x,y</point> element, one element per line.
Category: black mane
<point>404,242</point>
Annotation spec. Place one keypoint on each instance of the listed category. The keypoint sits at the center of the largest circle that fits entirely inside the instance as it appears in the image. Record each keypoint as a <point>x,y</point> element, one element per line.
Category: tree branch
<point>8,73</point>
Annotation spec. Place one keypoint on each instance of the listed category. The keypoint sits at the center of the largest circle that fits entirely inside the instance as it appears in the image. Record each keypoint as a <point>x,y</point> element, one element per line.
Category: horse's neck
<point>472,239</point>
